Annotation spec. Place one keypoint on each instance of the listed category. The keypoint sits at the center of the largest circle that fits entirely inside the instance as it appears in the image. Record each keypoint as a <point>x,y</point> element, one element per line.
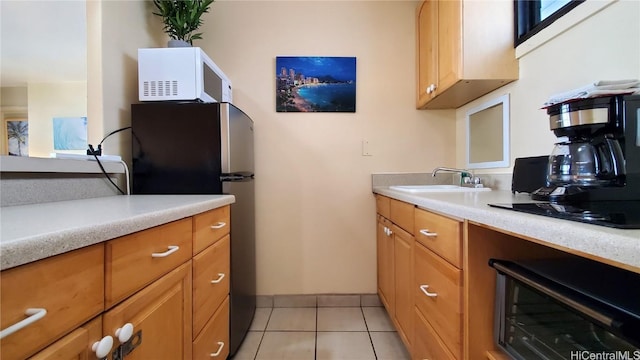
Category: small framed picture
<point>315,84</point>
<point>70,133</point>
<point>17,137</point>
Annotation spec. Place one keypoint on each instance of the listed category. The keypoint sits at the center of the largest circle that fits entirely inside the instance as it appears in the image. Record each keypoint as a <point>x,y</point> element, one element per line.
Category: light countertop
<point>620,247</point>
<point>34,232</point>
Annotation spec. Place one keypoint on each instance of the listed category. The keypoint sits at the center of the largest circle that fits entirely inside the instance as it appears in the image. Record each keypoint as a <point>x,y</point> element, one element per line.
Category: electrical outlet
<point>366,148</point>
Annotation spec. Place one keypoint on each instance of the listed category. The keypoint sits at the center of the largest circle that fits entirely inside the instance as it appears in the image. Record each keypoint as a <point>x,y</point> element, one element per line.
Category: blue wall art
<point>70,133</point>
<point>315,84</point>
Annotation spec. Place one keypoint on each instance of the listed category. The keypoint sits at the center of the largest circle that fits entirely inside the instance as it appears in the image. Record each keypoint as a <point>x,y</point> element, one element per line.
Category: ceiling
<point>42,41</point>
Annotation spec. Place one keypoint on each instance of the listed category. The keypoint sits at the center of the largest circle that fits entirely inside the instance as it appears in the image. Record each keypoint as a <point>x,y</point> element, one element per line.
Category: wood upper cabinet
<point>67,290</point>
<point>161,318</point>
<point>464,49</point>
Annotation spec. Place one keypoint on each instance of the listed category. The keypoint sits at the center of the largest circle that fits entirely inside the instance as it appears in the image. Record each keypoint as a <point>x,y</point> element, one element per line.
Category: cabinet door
<point>385,250</point>
<point>162,313</point>
<point>449,44</point>
<point>76,345</point>
<point>427,50</point>
<point>403,252</point>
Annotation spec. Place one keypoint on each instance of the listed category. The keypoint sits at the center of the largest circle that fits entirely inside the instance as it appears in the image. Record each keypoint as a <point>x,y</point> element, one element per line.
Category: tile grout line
<point>368,333</point>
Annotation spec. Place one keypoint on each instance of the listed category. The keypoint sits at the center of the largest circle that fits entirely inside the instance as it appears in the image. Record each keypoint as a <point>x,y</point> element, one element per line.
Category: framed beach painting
<point>315,84</point>
<point>17,137</point>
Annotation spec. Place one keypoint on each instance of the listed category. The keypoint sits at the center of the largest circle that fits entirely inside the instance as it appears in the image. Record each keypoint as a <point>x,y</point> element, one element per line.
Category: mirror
<point>44,68</point>
<point>488,134</point>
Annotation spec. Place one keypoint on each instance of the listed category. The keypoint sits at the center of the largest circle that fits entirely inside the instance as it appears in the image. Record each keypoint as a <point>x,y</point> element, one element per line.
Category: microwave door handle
<point>576,305</point>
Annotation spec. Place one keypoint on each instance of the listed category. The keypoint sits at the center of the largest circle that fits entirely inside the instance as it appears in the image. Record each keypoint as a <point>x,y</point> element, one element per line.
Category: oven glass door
<point>533,325</point>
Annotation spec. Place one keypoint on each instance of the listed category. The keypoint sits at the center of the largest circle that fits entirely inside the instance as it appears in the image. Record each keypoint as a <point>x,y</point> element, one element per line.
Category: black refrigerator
<point>198,148</point>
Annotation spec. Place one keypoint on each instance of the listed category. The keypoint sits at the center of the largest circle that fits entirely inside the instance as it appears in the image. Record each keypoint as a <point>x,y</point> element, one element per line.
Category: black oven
<point>567,308</point>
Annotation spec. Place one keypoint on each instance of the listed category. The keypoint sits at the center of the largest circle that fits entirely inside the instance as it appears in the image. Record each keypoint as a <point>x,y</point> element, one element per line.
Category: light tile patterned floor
<point>320,331</point>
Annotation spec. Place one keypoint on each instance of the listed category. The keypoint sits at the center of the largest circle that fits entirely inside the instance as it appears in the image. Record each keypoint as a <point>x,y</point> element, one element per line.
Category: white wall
<point>315,209</point>
<point>604,46</point>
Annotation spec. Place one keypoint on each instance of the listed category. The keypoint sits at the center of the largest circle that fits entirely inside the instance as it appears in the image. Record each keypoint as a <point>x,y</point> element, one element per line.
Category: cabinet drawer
<point>70,287</point>
<point>427,344</point>
<point>214,339</point>
<point>438,295</point>
<point>401,214</point>
<point>210,281</point>
<point>136,260</point>
<point>382,205</point>
<point>440,234</point>
<point>209,227</point>
<point>76,345</point>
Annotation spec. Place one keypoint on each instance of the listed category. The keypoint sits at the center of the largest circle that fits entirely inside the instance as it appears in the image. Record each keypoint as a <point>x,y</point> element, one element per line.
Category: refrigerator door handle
<point>237,176</point>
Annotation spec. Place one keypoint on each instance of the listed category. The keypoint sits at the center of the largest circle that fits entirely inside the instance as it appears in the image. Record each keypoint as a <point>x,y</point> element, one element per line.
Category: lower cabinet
<point>161,318</point>
<point>148,295</point>
<point>427,344</point>
<point>395,265</point>
<point>76,345</point>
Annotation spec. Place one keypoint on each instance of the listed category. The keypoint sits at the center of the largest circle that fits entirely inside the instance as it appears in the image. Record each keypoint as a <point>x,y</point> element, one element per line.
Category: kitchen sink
<point>436,188</point>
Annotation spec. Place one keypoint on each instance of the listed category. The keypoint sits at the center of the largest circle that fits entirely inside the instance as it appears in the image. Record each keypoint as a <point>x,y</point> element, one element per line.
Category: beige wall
<point>603,46</point>
<point>49,100</point>
<point>315,210</point>
<point>116,29</point>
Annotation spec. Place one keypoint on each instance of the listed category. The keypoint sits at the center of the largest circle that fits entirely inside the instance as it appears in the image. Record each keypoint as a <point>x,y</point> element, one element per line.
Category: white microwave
<point>183,74</point>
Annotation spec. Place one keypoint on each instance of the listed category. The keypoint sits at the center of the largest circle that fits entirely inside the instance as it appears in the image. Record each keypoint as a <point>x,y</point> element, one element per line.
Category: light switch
<point>365,148</point>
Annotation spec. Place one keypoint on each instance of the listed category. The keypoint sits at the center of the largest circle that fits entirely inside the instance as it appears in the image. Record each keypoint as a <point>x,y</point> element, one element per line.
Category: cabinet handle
<point>220,277</point>
<point>215,354</point>
<point>34,314</point>
<point>124,333</point>
<point>172,249</point>
<point>424,290</point>
<point>219,225</point>
<point>428,233</point>
<point>102,347</point>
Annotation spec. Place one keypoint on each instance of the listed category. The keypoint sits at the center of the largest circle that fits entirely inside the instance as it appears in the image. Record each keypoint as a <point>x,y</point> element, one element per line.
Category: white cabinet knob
<point>102,347</point>
<point>124,333</point>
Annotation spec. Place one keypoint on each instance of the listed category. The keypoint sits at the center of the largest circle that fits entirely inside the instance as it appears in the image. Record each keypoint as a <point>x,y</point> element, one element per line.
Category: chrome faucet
<point>466,176</point>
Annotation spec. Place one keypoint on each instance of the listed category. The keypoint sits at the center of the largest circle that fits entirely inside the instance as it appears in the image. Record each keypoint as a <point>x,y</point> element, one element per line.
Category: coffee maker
<point>597,157</point>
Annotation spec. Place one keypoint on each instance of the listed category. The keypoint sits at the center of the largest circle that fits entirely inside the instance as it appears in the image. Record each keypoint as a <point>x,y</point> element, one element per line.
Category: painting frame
<point>16,136</point>
<point>316,84</point>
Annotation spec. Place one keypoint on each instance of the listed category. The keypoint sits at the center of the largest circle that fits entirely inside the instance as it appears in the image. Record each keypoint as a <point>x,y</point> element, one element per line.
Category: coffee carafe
<point>589,156</point>
<point>587,163</point>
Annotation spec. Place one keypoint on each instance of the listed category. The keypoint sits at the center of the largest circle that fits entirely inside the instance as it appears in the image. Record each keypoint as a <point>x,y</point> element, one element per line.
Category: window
<point>531,16</point>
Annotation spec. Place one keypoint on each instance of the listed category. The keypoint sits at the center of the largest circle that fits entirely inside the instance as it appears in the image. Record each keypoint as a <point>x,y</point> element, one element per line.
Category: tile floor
<point>350,327</point>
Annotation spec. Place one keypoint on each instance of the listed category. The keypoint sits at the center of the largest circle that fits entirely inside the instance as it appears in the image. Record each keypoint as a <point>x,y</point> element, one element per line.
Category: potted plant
<point>181,18</point>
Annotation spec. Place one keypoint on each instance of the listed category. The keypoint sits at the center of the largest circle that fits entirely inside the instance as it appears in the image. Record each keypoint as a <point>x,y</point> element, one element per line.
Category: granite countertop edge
<point>34,232</point>
<point>619,247</point>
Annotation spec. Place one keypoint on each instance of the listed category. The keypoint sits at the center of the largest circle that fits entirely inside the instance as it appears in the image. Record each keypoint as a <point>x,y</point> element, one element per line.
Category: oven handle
<point>580,307</point>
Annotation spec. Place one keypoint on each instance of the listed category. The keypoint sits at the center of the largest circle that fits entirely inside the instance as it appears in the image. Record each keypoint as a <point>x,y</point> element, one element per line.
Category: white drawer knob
<point>221,346</point>
<point>424,290</point>
<point>124,333</point>
<point>171,250</point>
<point>102,347</point>
<point>428,233</point>
<point>220,277</point>
<point>34,314</point>
<point>219,225</point>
